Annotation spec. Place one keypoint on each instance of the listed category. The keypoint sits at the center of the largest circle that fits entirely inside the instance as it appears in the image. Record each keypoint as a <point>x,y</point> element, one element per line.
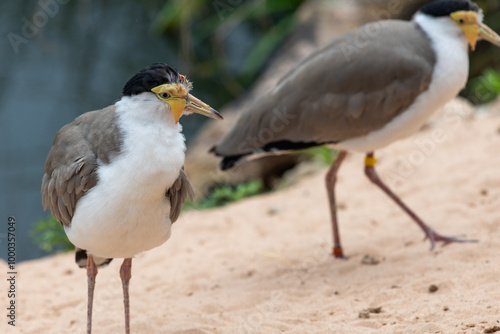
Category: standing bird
<point>114,177</point>
<point>364,90</point>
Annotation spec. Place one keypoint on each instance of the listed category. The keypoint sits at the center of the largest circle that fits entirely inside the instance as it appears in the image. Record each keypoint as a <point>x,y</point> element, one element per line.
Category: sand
<point>262,265</point>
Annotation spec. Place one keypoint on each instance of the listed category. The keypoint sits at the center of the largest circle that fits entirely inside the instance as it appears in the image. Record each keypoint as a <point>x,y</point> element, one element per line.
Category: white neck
<point>441,30</point>
<point>452,57</point>
<point>149,134</point>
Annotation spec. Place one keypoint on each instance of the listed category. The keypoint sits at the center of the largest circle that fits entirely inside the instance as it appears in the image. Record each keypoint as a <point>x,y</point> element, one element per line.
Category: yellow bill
<point>197,106</point>
<point>487,34</point>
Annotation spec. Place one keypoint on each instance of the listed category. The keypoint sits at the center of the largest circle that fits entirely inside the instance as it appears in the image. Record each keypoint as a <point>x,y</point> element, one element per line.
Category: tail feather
<point>81,259</point>
<point>274,148</point>
<point>229,162</point>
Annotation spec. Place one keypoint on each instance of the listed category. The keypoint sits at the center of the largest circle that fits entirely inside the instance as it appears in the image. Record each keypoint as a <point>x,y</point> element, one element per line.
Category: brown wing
<point>70,168</point>
<point>177,194</point>
<point>352,86</point>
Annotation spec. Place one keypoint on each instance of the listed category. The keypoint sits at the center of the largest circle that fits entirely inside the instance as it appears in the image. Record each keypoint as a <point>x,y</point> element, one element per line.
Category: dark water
<point>76,60</point>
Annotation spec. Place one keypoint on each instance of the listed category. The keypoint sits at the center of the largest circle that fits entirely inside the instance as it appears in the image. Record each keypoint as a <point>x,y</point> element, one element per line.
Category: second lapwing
<point>361,92</point>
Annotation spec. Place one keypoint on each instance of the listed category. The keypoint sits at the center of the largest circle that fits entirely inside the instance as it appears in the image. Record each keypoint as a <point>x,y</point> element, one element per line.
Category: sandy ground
<point>263,266</point>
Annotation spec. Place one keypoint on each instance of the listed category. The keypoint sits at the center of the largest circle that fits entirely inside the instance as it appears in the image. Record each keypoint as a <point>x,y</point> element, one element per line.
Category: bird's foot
<point>338,253</point>
<point>435,237</point>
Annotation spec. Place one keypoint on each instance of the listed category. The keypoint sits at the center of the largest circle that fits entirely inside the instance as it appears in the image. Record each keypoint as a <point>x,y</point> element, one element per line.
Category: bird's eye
<point>461,21</point>
<point>164,95</point>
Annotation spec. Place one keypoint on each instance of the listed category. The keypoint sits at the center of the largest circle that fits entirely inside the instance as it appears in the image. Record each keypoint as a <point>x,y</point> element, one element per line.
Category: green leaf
<point>266,45</point>
<point>223,195</point>
<point>49,236</point>
<point>484,88</point>
<point>322,154</point>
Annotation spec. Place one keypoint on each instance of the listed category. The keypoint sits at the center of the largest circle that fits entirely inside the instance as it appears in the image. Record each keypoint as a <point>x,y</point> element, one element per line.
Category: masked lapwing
<point>114,177</point>
<point>364,90</point>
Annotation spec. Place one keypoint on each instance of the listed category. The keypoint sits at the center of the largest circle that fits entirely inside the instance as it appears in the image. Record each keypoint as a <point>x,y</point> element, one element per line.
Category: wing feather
<point>177,195</point>
<point>341,91</point>
<point>70,169</point>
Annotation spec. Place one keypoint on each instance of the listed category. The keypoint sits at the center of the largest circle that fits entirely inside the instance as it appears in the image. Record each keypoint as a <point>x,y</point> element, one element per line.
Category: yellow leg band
<point>370,161</point>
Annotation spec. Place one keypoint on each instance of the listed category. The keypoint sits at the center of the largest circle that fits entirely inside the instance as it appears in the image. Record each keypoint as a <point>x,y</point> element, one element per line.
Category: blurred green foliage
<point>223,195</point>
<point>322,154</point>
<point>484,88</point>
<point>224,44</point>
<point>49,236</point>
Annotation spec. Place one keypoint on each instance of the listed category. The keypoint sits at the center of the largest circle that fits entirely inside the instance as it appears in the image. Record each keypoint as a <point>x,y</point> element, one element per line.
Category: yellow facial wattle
<point>175,95</point>
<point>468,22</point>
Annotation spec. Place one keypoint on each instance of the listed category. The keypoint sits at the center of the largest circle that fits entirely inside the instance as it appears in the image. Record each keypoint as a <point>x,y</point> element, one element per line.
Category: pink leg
<point>91,274</point>
<point>429,232</point>
<point>331,179</point>
<point>125,275</point>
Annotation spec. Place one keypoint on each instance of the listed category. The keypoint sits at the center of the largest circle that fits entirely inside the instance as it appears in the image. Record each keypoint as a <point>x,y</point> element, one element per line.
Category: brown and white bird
<point>114,177</point>
<point>364,90</point>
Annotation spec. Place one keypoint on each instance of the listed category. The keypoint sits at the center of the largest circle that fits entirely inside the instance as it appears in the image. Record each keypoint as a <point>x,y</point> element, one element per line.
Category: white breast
<point>449,77</point>
<point>126,212</point>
